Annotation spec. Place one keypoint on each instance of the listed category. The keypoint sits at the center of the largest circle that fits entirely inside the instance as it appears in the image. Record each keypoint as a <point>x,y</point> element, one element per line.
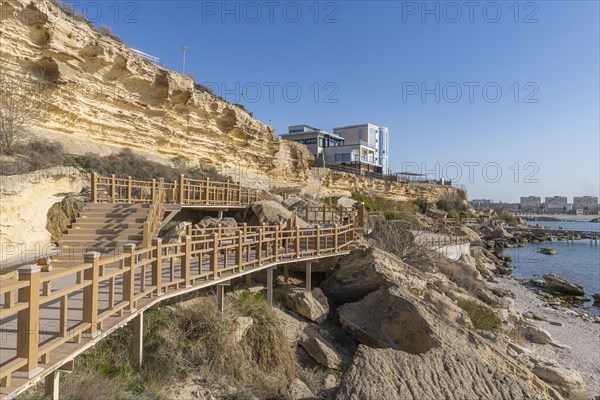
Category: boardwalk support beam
<point>308,279</point>
<point>221,296</point>
<point>138,338</point>
<point>270,286</point>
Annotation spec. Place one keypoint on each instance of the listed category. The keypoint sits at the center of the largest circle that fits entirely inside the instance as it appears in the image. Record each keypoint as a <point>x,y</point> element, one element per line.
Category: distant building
<point>530,203</point>
<point>556,205</point>
<point>481,202</point>
<point>374,136</point>
<point>585,205</point>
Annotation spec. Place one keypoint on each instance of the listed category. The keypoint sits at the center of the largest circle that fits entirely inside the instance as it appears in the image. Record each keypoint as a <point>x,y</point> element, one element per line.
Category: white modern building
<point>349,150</point>
<point>375,136</point>
<point>557,205</point>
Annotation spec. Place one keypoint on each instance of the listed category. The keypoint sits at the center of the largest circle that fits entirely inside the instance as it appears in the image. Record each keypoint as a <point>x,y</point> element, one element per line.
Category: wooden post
<point>270,285</point>
<point>90,293</point>
<point>94,187</point>
<point>181,189</point>
<point>157,266</point>
<point>336,233</point>
<point>221,298</point>
<point>308,280</point>
<point>129,189</point>
<point>318,241</point>
<point>153,190</point>
<point>227,190</point>
<point>28,321</point>
<point>113,188</point>
<point>258,253</point>
<point>52,385</point>
<point>138,339</point>
<point>286,272</point>
<point>129,277</point>
<point>214,258</point>
<point>361,214</point>
<point>239,259</point>
<point>239,194</point>
<point>186,260</point>
<point>207,185</point>
<point>249,279</point>
<point>324,215</point>
<point>276,243</point>
<point>297,242</point>
<point>245,228</point>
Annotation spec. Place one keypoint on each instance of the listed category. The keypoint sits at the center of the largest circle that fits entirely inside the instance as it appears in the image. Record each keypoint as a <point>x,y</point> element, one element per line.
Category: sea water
<point>577,261</point>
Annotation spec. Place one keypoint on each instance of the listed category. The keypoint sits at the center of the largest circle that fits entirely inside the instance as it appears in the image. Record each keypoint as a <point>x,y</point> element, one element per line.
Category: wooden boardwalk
<point>48,318</point>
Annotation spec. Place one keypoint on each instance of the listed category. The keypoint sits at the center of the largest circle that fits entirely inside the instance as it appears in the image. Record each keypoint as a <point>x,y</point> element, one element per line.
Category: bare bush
<point>460,273</point>
<point>396,237</point>
<point>21,105</point>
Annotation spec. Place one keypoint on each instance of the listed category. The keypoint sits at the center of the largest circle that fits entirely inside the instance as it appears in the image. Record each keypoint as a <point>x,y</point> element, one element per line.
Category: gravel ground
<point>582,337</point>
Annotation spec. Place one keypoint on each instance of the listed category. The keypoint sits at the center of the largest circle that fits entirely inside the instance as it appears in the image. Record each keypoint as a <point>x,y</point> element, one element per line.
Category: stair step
<point>111,220</point>
<point>109,237</point>
<point>104,231</point>
<point>92,214</point>
<point>99,244</point>
<point>116,206</point>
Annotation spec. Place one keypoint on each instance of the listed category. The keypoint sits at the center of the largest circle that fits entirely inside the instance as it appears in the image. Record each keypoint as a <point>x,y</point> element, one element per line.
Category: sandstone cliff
<point>99,89</point>
<point>101,96</point>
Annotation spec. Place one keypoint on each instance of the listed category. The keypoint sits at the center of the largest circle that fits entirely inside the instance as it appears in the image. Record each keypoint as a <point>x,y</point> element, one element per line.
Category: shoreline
<point>579,339</point>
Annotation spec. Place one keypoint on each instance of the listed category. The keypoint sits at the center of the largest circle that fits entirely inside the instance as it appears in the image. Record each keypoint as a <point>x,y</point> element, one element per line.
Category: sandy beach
<point>582,338</point>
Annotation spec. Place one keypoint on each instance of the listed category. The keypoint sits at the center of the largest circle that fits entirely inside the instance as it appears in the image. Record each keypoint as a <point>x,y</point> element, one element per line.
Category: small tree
<point>20,106</point>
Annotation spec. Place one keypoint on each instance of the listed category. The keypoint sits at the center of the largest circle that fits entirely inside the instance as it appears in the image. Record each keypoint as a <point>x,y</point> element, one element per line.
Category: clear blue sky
<point>369,61</point>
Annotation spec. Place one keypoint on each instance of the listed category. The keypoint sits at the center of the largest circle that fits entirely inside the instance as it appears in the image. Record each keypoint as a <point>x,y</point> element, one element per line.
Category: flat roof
<point>357,125</point>
<point>312,133</point>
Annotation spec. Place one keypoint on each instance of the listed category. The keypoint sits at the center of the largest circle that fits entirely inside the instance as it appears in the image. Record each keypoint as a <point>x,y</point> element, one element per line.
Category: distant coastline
<point>559,217</point>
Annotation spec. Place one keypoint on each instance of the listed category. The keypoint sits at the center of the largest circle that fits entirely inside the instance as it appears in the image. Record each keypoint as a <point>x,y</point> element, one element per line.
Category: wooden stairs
<point>105,228</point>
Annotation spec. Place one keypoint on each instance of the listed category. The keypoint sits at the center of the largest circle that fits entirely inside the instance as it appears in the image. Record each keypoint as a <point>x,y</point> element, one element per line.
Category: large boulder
<point>270,213</point>
<point>442,373</point>
<point>291,325</point>
<point>391,317</point>
<point>346,202</point>
<point>561,285</point>
<point>211,222</point>
<point>470,234</point>
<point>535,334</point>
<point>363,271</point>
<point>567,381</point>
<point>299,204</point>
<point>174,233</point>
<point>311,304</point>
<point>320,349</point>
<point>445,306</point>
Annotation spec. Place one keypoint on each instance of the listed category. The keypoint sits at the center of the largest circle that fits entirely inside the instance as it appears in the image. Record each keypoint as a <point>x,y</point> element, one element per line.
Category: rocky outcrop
<point>442,373</point>
<point>400,322</point>
<point>561,285</point>
<point>24,204</point>
<point>364,271</point>
<point>311,304</point>
<point>567,381</point>
<point>270,212</point>
<point>321,350</point>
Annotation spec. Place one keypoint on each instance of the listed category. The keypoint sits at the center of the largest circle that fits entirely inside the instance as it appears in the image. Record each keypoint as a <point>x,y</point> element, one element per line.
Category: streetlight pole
<point>184,49</point>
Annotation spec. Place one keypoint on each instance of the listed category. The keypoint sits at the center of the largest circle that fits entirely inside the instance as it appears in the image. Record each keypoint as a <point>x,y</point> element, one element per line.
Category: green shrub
<point>482,317</point>
<point>510,219</point>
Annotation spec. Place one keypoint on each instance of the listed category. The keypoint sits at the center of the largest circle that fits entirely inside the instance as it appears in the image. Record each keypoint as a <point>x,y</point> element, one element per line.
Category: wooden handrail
<point>182,191</point>
<point>202,258</point>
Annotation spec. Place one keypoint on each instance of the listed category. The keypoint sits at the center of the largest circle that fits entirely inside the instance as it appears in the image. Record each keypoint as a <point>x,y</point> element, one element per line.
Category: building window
<point>321,142</point>
<point>310,141</point>
<point>344,157</point>
<point>301,141</point>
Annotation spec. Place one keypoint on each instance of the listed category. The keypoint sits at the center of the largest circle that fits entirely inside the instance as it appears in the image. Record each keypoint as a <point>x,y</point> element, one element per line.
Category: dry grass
<point>517,335</point>
<point>460,273</point>
<point>190,338</point>
<point>395,237</point>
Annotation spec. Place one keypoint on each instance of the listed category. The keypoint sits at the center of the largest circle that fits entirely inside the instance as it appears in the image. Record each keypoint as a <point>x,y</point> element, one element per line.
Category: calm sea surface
<point>571,225</point>
<point>578,262</point>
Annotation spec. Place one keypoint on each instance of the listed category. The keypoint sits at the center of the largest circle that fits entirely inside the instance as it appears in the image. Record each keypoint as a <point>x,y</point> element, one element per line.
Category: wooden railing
<point>150,227</point>
<point>43,310</point>
<point>326,214</point>
<point>182,191</point>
